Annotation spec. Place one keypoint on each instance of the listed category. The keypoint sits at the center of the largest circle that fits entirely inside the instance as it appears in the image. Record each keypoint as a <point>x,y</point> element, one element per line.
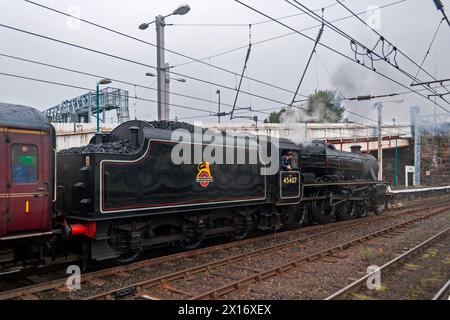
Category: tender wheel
<point>126,244</point>
<point>193,237</point>
<point>128,257</point>
<point>238,235</point>
<point>243,222</point>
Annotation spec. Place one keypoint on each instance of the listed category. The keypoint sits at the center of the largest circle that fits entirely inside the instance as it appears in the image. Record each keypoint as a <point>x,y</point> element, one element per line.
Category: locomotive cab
<point>289,181</point>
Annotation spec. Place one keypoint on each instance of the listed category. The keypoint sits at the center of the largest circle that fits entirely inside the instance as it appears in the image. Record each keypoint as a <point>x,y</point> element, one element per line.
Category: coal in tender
<point>115,147</point>
<point>172,125</point>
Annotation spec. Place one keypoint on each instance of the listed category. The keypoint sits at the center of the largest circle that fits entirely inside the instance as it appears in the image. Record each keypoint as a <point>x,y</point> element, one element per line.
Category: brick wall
<point>435,155</point>
<point>405,158</point>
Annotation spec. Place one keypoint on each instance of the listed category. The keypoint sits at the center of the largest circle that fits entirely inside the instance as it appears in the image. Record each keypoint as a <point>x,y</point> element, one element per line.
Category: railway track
<point>53,266</point>
<point>95,278</point>
<point>444,292</point>
<point>393,265</point>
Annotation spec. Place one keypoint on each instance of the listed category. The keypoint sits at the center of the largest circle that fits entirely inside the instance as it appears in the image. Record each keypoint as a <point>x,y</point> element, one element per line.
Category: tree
<point>322,106</point>
<point>274,117</point>
<point>325,106</point>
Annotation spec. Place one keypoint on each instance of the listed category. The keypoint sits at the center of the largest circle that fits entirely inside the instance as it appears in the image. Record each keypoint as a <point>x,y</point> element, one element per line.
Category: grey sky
<point>409,25</point>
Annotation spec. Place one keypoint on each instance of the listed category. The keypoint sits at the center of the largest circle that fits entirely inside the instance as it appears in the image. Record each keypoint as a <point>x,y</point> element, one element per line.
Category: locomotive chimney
<point>134,136</point>
<point>98,138</point>
<point>355,149</point>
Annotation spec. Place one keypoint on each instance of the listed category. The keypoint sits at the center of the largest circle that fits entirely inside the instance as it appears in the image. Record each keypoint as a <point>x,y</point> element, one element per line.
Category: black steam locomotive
<point>127,183</point>
<point>124,193</point>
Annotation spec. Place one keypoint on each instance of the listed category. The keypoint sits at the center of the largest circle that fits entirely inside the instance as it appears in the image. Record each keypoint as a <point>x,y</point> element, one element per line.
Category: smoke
<point>317,111</point>
<point>353,80</point>
<point>295,115</point>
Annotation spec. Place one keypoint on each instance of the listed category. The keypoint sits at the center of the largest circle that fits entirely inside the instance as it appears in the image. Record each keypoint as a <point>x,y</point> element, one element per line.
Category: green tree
<point>325,106</point>
<point>274,116</point>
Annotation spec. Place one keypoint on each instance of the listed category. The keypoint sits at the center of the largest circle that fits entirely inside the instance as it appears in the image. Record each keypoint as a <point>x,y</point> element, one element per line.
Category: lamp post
<point>162,69</point>
<point>166,92</point>
<point>101,82</point>
<point>379,106</point>
<point>396,158</point>
<point>218,102</point>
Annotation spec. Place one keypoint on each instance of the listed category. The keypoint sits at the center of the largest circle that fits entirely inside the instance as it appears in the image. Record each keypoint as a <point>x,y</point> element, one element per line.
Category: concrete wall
<point>69,135</point>
<point>342,135</point>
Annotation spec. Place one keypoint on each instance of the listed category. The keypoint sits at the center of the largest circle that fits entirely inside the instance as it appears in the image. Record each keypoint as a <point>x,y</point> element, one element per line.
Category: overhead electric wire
<point>150,100</point>
<point>139,63</point>
<point>89,89</point>
<point>348,111</point>
<point>283,35</point>
<point>429,50</point>
<point>103,76</point>
<point>147,65</point>
<point>440,7</point>
<point>110,78</point>
<point>135,98</point>
<point>313,15</point>
<point>381,36</point>
<point>313,51</point>
<point>246,24</point>
<point>154,45</point>
<point>337,52</point>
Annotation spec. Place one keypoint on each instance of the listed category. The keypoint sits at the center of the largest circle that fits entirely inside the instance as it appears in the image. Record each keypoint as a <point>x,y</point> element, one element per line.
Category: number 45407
<point>290,180</point>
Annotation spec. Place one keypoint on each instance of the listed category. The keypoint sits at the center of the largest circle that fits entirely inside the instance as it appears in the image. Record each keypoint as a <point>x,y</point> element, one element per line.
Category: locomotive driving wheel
<point>347,211</point>
<point>360,211</point>
<point>294,216</point>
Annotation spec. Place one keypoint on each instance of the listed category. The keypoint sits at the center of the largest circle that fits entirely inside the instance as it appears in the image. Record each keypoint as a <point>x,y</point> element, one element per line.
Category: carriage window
<point>24,163</point>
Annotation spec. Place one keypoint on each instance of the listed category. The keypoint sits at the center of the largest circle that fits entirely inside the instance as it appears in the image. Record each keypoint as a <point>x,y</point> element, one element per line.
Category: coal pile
<point>116,147</point>
<point>172,125</point>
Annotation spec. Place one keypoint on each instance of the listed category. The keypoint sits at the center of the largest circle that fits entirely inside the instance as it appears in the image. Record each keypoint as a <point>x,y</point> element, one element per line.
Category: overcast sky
<point>409,25</point>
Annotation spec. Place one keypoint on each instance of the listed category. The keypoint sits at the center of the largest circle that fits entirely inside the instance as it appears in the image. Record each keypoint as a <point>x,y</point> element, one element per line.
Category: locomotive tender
<point>122,193</point>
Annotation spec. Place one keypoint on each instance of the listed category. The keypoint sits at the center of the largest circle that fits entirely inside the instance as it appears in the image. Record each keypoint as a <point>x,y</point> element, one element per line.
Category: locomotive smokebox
<point>355,149</point>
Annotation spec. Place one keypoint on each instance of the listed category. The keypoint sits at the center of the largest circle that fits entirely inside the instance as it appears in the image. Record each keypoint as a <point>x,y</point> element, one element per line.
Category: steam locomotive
<point>123,193</point>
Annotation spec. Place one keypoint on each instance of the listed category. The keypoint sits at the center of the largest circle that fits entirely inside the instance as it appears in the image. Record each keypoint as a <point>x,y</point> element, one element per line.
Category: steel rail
<point>443,292</point>
<point>162,281</point>
<point>406,255</point>
<point>335,227</point>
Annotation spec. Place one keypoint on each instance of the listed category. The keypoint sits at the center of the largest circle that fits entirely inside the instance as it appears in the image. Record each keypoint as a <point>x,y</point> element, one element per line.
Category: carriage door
<point>28,183</point>
<point>3,182</point>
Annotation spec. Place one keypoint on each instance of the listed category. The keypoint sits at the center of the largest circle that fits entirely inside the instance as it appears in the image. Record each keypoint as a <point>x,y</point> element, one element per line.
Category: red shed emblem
<point>204,174</point>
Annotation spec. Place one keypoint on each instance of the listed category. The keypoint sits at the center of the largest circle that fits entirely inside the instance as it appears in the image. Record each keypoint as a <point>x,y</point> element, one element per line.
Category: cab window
<point>295,161</point>
<point>24,163</point>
